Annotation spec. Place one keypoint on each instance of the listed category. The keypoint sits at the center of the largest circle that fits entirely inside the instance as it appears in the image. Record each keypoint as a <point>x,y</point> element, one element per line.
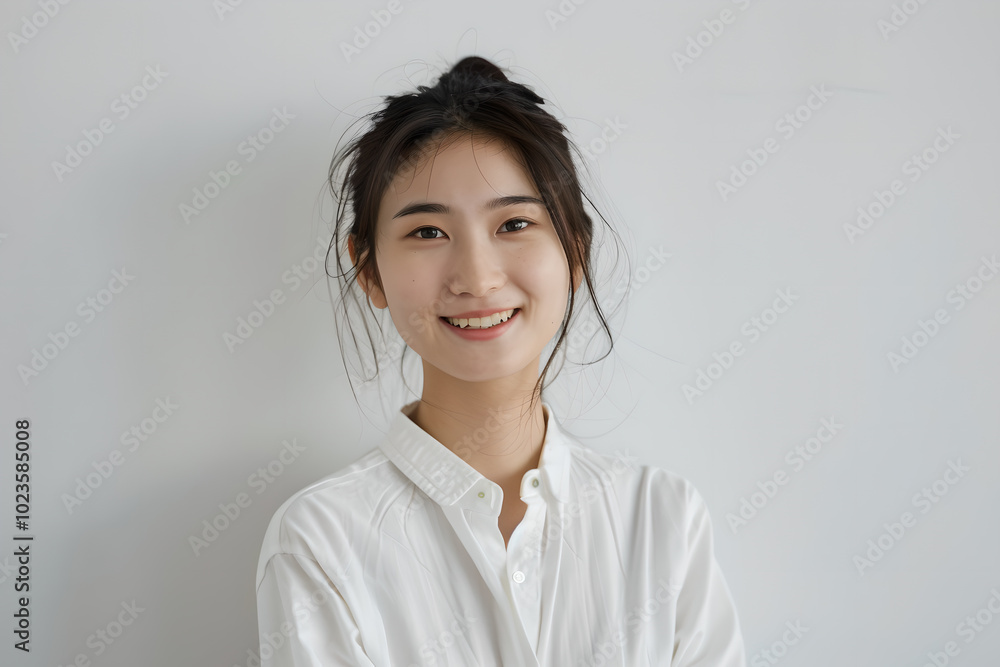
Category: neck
<point>489,425</point>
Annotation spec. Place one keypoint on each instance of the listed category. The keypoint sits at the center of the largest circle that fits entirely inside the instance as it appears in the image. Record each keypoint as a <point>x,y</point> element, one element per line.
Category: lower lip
<point>482,334</point>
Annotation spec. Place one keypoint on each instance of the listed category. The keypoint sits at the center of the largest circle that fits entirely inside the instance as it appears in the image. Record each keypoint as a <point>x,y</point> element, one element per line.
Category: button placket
<point>524,564</point>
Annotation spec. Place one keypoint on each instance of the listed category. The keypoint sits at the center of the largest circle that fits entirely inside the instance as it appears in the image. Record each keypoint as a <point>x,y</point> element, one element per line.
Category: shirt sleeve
<point>303,619</point>
<point>708,631</point>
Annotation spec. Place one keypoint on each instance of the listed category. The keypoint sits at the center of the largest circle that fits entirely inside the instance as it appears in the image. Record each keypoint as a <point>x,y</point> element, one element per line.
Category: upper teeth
<point>481,322</point>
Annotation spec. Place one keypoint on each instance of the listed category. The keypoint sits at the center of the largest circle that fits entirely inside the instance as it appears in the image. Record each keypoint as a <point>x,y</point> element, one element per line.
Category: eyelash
<point>529,223</point>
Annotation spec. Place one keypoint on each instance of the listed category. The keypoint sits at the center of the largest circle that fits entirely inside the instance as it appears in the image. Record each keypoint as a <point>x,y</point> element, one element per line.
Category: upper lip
<point>478,313</point>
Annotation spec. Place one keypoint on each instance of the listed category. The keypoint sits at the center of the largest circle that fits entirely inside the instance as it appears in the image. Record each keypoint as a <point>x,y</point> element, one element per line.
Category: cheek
<point>411,294</point>
<point>544,265</point>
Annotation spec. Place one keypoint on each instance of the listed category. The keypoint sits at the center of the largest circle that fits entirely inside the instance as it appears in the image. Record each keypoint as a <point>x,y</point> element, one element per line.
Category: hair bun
<point>475,75</point>
<point>474,66</point>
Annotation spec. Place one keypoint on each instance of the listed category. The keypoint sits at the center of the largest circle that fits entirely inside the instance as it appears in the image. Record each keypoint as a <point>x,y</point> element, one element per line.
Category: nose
<point>477,268</point>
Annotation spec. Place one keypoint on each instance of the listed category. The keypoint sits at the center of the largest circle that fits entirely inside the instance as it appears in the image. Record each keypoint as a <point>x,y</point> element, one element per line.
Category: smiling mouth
<point>465,323</point>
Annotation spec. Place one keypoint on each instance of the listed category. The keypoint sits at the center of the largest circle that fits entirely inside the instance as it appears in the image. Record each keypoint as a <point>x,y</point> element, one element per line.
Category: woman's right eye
<point>422,229</point>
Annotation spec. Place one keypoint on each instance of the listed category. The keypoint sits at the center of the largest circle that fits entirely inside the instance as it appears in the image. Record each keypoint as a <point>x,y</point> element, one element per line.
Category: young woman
<point>480,532</point>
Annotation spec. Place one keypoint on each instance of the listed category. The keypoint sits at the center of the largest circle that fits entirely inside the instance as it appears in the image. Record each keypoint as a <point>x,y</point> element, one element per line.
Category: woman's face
<point>447,244</point>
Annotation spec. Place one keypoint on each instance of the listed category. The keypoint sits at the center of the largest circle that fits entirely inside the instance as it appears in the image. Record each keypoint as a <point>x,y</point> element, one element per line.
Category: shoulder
<point>638,486</point>
<point>330,510</point>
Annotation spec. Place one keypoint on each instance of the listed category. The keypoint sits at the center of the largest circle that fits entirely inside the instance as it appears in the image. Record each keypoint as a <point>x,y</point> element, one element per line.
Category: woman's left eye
<point>526,223</point>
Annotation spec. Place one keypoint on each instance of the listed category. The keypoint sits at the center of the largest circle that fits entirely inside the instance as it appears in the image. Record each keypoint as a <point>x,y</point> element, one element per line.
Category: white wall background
<point>682,129</point>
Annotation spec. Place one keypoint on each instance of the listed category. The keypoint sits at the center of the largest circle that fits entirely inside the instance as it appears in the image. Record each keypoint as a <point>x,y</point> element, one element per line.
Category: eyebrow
<point>491,205</point>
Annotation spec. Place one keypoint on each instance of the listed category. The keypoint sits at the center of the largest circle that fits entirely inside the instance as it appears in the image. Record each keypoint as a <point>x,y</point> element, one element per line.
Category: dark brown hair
<point>474,97</point>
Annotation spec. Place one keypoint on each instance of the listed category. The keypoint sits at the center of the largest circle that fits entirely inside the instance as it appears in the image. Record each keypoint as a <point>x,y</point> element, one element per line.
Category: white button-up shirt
<point>398,560</point>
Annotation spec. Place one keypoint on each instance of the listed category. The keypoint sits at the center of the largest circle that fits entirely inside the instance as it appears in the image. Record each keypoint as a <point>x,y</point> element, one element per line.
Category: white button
<point>519,576</point>
<point>534,482</point>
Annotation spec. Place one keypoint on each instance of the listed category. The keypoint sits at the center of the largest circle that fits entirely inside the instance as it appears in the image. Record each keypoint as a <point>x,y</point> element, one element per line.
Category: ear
<point>368,286</point>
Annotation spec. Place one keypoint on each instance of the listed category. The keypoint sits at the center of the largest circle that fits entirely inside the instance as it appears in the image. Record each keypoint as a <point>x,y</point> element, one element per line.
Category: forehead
<point>461,163</point>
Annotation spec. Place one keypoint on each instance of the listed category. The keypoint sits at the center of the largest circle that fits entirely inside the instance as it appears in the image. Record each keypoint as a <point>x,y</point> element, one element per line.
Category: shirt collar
<point>445,477</point>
